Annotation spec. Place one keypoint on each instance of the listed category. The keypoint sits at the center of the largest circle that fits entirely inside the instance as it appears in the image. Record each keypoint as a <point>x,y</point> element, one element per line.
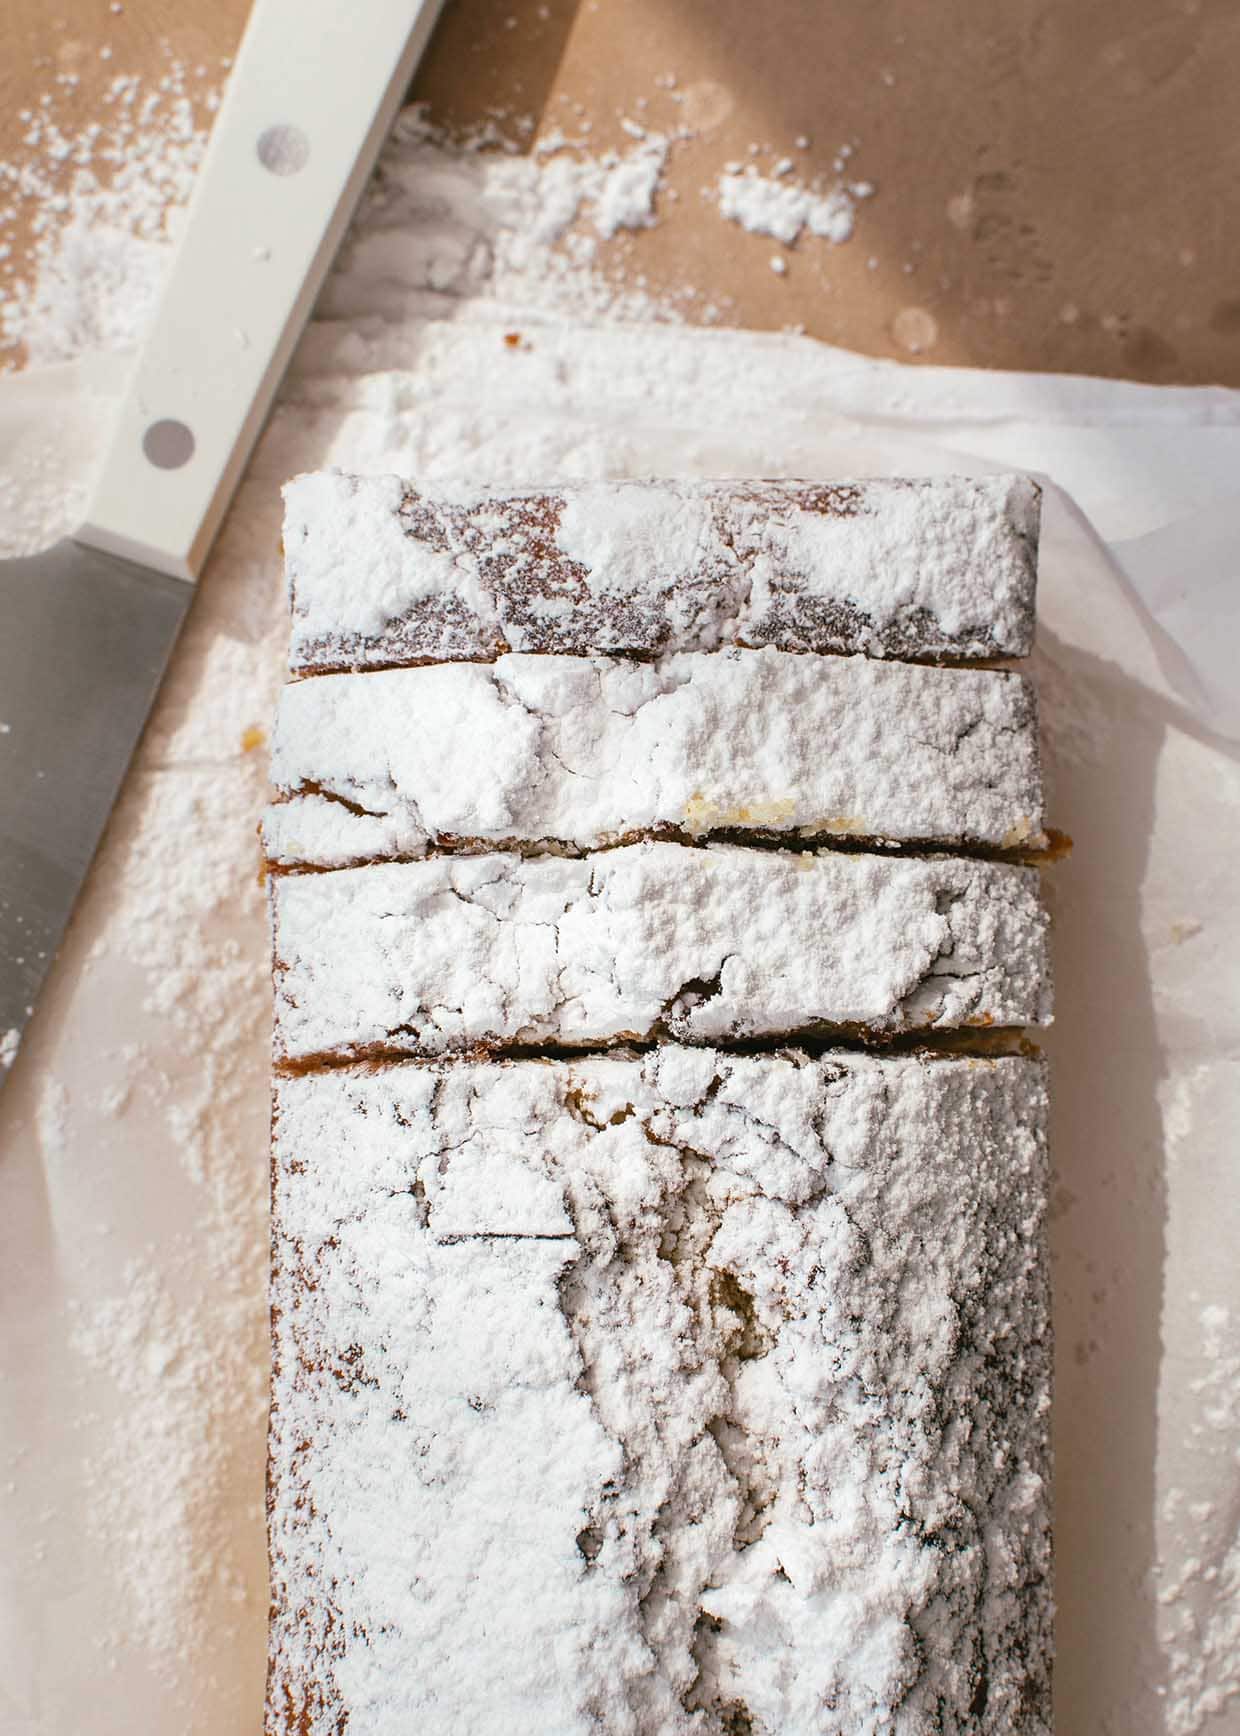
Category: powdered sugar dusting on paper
<point>180,1456</point>
<point>174,1485</point>
<point>1199,1602</point>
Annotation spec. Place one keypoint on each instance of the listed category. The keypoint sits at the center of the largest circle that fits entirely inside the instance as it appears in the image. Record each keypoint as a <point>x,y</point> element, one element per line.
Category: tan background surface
<point>1055,178</point>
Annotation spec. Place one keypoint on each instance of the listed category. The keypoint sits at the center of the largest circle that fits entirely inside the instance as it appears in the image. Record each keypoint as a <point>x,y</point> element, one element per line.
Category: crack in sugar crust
<point>715,944</point>
<point>694,1362</point>
<point>584,750</point>
<point>381,573</point>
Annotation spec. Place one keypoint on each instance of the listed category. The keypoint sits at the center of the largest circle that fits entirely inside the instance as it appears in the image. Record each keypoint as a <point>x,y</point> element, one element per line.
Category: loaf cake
<point>659,1289</point>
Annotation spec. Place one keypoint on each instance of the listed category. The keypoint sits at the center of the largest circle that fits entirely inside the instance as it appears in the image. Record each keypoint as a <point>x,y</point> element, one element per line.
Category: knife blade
<point>68,725</point>
<point>87,626</point>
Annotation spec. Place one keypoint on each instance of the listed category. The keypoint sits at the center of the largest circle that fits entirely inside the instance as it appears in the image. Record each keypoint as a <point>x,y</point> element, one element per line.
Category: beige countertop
<point>1052,181</point>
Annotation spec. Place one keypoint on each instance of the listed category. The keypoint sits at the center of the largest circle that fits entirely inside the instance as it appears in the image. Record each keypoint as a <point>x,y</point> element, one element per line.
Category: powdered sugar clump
<point>783,209</point>
<point>625,199</point>
<point>10,1042</point>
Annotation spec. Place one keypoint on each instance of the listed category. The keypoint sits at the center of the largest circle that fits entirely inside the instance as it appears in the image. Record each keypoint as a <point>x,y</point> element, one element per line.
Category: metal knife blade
<point>84,638</point>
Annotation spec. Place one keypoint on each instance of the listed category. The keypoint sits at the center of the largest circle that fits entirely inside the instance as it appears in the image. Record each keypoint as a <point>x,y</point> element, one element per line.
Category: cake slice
<point>695,1393</point>
<point>382,573</point>
<point>647,941</point>
<point>588,750</point>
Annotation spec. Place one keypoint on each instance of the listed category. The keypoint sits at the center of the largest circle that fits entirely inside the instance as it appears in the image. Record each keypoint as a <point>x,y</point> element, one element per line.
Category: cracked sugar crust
<point>381,573</point>
<point>650,940</point>
<point>691,1393</point>
<point>588,750</point>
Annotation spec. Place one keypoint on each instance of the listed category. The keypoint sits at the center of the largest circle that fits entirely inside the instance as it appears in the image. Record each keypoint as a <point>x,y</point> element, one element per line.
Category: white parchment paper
<point>133,1128</point>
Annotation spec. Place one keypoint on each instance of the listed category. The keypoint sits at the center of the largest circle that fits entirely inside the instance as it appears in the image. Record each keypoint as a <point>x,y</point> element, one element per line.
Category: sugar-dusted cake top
<point>382,572</point>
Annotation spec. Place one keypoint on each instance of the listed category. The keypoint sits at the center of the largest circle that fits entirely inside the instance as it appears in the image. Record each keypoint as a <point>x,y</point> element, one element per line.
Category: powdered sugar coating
<point>382,573</point>
<point>585,750</point>
<point>687,1394</point>
<point>704,945</point>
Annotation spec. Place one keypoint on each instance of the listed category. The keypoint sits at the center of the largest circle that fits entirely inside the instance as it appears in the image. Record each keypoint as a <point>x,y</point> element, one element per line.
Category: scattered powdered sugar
<point>178,1470</point>
<point>783,208</point>
<point>103,199</point>
<point>10,1043</point>
<point>52,1118</point>
<point>443,217</point>
<point>472,217</point>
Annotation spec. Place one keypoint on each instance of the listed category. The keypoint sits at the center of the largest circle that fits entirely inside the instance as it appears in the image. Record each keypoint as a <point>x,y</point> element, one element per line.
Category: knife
<point>86,626</point>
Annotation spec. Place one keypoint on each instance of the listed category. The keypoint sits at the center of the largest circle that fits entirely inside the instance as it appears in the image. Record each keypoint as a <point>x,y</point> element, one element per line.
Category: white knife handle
<point>314,90</point>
